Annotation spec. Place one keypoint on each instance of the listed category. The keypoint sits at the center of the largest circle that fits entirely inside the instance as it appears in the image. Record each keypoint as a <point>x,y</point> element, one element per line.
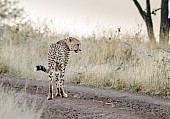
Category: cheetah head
<point>73,44</point>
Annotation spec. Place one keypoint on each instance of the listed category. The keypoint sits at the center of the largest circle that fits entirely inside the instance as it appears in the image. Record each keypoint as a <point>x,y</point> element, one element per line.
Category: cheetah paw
<point>49,98</point>
<point>65,95</point>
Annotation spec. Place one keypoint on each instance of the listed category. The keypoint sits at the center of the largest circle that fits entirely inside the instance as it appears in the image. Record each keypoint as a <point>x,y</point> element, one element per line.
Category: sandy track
<point>89,102</point>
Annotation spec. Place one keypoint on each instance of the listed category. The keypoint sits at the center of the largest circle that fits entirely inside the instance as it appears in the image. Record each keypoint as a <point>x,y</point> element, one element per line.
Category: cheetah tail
<point>41,68</point>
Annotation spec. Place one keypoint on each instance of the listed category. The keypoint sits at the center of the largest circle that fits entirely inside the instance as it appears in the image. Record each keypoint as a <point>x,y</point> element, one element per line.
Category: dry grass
<point>129,63</point>
<point>15,106</point>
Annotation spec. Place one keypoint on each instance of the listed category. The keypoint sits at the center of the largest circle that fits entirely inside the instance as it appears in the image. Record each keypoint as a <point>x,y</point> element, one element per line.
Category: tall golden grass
<point>125,62</point>
<point>15,106</point>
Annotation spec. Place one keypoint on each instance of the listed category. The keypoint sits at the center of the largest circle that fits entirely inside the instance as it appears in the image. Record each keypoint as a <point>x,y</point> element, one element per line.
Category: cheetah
<point>58,55</point>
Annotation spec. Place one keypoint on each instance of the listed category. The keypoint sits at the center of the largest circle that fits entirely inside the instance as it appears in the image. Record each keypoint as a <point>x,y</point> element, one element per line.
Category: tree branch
<point>143,13</point>
<point>148,8</point>
<point>155,10</point>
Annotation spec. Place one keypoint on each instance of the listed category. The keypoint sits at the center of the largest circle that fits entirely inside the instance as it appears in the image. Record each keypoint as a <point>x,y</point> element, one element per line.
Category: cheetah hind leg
<point>58,93</point>
<point>50,95</point>
<point>63,94</point>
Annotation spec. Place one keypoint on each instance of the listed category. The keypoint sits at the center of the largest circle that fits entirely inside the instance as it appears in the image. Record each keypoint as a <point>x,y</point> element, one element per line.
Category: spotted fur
<point>58,55</point>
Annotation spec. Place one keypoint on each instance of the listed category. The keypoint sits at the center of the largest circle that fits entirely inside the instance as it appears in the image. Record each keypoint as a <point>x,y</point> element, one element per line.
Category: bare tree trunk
<point>147,18</point>
<point>164,25</point>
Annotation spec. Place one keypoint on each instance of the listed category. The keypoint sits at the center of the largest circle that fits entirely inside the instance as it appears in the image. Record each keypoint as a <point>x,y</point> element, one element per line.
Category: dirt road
<point>90,102</point>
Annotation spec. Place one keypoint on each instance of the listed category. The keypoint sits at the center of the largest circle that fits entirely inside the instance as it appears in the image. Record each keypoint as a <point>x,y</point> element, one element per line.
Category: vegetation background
<point>108,59</point>
<point>121,61</point>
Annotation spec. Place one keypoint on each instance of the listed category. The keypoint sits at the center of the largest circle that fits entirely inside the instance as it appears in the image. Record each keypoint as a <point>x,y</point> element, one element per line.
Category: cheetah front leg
<point>50,94</point>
